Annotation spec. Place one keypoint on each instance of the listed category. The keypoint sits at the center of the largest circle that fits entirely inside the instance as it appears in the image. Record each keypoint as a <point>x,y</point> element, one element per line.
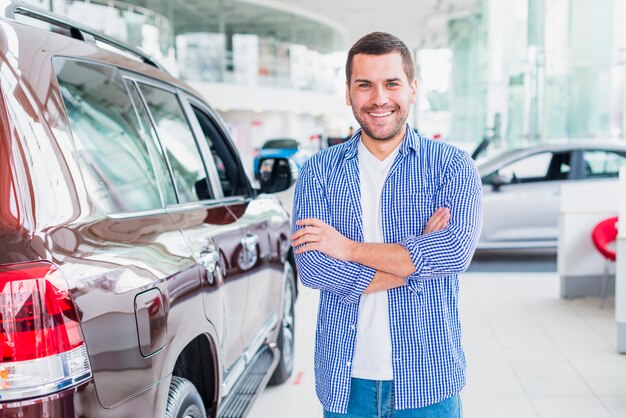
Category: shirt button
<point>352,327</point>
<point>348,363</point>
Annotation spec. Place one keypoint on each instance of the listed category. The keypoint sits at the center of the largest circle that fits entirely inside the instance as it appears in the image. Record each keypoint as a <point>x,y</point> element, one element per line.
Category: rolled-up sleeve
<point>316,270</point>
<point>450,250</point>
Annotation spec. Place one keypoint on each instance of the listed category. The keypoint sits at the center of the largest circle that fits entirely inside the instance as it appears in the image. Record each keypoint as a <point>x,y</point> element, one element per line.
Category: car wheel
<point>184,401</point>
<point>287,328</point>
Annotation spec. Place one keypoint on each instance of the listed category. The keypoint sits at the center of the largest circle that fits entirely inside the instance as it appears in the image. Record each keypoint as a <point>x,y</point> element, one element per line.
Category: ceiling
<point>418,23</point>
<point>325,25</point>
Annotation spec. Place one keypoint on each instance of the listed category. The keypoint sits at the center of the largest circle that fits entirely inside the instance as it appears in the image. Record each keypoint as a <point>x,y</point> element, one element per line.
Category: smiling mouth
<point>380,115</point>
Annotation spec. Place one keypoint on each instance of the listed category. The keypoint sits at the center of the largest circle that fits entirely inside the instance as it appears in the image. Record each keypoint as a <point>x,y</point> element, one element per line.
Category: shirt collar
<point>410,141</point>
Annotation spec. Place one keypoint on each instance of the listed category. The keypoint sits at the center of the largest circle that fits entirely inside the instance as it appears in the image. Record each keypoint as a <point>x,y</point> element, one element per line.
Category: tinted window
<point>599,164</point>
<point>163,175</point>
<point>281,143</point>
<point>538,167</point>
<point>113,153</point>
<point>232,178</point>
<point>180,146</point>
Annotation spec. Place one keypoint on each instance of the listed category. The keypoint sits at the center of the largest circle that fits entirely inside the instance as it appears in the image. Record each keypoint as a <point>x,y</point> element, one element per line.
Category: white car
<point>521,189</point>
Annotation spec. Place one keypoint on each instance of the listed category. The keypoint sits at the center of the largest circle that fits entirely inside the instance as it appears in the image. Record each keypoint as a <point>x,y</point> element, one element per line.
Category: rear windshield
<point>281,143</point>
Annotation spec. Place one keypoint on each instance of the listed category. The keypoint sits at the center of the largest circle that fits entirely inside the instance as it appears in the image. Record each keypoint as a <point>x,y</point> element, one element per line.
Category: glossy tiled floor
<point>529,353</point>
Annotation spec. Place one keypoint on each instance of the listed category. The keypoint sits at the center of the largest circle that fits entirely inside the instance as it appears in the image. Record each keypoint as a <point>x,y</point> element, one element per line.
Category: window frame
<point>571,175</point>
<point>208,165</point>
<point>193,101</point>
<point>150,131</point>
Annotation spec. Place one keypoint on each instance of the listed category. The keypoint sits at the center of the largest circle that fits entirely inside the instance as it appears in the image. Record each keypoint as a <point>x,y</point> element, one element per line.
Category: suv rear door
<point>122,253</point>
<point>207,224</point>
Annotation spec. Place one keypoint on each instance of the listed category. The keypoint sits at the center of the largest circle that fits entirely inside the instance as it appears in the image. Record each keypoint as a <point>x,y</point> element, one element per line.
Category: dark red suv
<point>140,273</point>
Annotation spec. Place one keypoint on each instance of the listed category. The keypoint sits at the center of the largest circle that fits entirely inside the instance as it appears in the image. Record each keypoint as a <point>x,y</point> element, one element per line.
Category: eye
<point>363,85</point>
<point>392,84</point>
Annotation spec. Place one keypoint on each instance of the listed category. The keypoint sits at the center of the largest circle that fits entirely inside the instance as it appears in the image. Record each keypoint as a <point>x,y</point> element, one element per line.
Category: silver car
<point>521,189</point>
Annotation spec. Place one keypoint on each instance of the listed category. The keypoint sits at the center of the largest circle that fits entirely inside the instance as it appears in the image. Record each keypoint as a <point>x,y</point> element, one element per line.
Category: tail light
<point>43,350</point>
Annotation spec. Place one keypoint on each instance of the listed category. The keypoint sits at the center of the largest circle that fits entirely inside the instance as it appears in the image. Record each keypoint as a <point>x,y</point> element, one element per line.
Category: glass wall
<point>254,61</point>
<point>583,78</point>
<point>527,71</point>
<point>468,93</point>
<point>134,25</point>
<point>188,42</point>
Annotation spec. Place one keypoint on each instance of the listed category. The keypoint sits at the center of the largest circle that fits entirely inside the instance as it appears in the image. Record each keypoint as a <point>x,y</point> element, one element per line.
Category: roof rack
<point>77,30</point>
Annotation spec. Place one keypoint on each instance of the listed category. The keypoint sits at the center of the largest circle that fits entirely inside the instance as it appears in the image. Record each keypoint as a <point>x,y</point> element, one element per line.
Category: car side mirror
<point>498,181</point>
<point>275,175</point>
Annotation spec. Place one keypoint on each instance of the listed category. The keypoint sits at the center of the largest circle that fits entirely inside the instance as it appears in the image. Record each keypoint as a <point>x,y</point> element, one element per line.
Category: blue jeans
<point>374,399</point>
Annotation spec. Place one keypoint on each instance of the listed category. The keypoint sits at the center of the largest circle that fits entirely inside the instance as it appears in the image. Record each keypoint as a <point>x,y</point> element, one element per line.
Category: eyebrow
<point>363,80</point>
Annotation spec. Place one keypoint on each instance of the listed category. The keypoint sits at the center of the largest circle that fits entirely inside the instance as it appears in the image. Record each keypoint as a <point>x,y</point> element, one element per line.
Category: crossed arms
<point>392,262</point>
<point>335,264</point>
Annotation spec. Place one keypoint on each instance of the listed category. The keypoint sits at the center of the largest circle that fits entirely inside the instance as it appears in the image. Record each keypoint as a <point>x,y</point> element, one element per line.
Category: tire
<point>184,401</point>
<point>287,330</point>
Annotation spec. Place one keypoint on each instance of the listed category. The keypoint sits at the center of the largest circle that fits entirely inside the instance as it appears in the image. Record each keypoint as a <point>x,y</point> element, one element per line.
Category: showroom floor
<point>529,353</point>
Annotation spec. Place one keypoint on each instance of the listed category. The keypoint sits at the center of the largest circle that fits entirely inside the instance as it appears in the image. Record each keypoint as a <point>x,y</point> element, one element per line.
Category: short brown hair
<point>381,43</point>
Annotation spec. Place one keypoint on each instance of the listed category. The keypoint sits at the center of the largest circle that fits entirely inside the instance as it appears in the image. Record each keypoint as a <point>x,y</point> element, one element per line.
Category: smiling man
<point>383,224</point>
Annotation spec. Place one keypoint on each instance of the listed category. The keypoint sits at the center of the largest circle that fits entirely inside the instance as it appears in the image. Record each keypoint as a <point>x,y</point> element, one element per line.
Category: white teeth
<point>380,115</point>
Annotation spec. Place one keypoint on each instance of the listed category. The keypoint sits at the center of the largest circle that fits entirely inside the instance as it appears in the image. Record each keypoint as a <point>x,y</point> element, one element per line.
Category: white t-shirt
<point>372,351</point>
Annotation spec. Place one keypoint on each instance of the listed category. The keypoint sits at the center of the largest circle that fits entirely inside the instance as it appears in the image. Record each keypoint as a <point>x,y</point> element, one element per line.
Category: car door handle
<point>209,259</point>
<point>249,242</point>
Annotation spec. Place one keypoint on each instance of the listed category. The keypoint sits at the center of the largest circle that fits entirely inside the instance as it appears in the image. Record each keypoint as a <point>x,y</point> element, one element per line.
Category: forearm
<point>342,278</point>
<point>384,281</point>
<point>449,251</point>
<point>444,252</point>
<point>440,253</point>
<point>393,259</point>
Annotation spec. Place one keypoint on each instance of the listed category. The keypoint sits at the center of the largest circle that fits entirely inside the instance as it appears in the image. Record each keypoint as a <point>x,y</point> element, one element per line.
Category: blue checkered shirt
<point>428,360</point>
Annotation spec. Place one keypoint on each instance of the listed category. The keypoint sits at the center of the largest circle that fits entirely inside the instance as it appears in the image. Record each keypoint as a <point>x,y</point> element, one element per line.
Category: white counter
<point>580,265</point>
<point>620,273</point>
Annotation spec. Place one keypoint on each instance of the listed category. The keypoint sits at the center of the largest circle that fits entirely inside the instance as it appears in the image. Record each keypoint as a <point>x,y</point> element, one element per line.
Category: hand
<point>319,236</point>
<point>438,221</point>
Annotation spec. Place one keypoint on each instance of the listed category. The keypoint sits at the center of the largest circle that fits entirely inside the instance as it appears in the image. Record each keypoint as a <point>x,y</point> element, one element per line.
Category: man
<point>383,224</point>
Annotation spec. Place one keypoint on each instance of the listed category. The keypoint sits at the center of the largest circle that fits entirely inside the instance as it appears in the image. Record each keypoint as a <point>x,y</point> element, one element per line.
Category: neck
<point>382,149</point>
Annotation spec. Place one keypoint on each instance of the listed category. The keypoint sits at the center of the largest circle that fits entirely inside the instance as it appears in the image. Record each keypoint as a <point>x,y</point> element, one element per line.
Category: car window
<point>113,153</point>
<point>281,144</point>
<point>232,178</point>
<point>543,166</point>
<point>180,146</point>
<point>602,164</point>
<point>164,179</point>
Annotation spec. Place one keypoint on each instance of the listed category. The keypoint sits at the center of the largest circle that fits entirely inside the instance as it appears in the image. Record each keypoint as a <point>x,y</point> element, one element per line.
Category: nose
<point>379,96</point>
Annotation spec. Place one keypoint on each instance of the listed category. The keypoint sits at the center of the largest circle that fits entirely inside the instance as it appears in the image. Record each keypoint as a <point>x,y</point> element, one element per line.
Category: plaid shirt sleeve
<point>317,270</point>
<point>450,250</point>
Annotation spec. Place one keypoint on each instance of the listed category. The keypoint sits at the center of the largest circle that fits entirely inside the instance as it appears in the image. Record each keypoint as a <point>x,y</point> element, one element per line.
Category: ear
<point>348,102</point>
<point>414,91</point>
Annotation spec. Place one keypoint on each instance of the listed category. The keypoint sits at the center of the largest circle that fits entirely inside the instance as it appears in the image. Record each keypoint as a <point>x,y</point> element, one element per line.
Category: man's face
<point>380,95</point>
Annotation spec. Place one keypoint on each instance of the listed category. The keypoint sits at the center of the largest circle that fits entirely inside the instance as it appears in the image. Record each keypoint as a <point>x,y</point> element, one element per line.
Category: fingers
<point>438,221</point>
<point>311,246</point>
<point>311,228</point>
<point>442,219</point>
<point>431,224</point>
<point>304,231</point>
<point>310,222</point>
<point>308,235</point>
<point>305,239</point>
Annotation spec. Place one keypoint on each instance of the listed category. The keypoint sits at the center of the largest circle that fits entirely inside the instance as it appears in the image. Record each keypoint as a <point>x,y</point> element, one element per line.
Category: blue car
<point>280,148</point>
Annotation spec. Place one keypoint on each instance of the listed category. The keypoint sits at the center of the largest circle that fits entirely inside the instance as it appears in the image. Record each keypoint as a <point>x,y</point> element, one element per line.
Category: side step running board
<point>250,384</point>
